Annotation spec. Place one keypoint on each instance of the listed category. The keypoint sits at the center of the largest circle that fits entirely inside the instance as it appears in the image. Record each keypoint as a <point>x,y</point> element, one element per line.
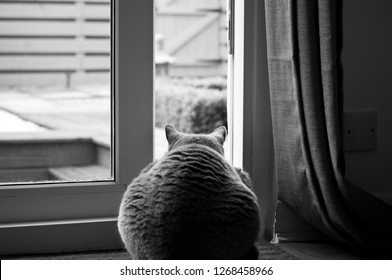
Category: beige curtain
<point>304,44</point>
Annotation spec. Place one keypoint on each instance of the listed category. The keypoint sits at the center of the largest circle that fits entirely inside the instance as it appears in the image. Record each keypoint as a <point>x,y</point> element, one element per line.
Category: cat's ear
<point>220,134</point>
<point>171,134</point>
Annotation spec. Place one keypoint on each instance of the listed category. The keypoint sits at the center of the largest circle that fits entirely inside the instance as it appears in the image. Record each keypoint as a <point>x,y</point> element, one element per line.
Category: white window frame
<point>60,217</point>
<point>55,217</point>
<point>252,146</point>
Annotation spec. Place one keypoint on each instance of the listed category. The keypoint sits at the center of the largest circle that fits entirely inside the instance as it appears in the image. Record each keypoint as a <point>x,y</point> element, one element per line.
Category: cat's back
<point>195,164</point>
<point>197,203</point>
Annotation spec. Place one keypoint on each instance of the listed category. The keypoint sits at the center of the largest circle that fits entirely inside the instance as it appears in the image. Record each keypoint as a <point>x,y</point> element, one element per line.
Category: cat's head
<point>213,140</point>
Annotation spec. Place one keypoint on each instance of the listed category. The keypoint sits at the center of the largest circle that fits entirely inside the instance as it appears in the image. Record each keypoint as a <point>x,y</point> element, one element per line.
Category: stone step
<point>86,172</point>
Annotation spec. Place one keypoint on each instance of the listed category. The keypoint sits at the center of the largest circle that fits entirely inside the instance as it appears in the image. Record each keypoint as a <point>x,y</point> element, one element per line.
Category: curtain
<point>304,46</point>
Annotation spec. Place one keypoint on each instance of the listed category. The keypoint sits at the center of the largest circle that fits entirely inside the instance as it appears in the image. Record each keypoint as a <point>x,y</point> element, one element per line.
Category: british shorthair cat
<point>190,204</point>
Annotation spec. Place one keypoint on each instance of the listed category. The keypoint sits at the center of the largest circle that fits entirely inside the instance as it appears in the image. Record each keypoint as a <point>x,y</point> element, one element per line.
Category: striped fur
<point>191,204</point>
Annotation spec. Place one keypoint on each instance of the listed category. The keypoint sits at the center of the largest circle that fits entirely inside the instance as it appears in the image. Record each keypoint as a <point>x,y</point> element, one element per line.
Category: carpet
<point>267,251</point>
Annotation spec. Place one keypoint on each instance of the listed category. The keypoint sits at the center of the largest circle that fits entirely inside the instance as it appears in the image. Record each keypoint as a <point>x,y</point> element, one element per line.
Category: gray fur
<point>191,204</point>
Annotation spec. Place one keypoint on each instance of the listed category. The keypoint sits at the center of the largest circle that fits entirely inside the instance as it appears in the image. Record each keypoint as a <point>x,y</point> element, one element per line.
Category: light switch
<point>360,131</point>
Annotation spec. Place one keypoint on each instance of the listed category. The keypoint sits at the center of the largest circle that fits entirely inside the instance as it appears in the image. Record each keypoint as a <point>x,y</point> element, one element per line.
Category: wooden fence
<point>195,35</point>
<point>54,42</point>
<point>44,42</point>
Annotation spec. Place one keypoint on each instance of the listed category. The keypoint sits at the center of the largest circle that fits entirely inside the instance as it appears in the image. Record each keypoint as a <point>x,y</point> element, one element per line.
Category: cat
<point>190,204</point>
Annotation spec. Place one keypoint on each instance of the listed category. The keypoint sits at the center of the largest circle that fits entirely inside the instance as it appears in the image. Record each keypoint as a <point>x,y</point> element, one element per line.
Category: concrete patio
<point>57,114</point>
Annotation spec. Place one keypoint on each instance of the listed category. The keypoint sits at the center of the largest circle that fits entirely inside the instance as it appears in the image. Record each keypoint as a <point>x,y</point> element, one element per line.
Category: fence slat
<point>33,28</point>
<point>179,11</point>
<point>96,12</point>
<point>38,63</point>
<point>34,11</point>
<point>96,29</point>
<point>95,63</point>
<point>191,4</point>
<point>53,63</point>
<point>54,41</point>
<point>48,46</point>
<point>47,79</point>
<point>52,11</point>
<point>32,79</point>
<point>62,1</point>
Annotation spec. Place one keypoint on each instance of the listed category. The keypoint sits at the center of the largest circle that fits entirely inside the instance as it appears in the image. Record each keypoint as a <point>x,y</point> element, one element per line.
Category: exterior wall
<point>367,63</point>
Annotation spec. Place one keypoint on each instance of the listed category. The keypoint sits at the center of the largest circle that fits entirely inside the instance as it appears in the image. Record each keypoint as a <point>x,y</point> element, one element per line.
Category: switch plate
<point>360,131</point>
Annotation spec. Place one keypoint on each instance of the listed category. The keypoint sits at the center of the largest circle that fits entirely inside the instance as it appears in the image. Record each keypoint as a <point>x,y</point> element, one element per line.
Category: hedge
<point>191,105</point>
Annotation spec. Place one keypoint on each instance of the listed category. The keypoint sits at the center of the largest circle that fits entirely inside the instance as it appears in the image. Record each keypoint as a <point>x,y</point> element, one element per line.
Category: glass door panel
<point>191,67</point>
<point>55,91</point>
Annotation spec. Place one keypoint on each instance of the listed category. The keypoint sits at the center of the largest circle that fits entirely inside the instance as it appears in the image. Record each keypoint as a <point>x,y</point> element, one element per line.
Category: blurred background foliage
<point>192,105</point>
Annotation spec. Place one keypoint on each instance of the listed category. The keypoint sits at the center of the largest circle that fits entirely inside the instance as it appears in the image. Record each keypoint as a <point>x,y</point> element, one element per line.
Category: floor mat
<point>267,251</point>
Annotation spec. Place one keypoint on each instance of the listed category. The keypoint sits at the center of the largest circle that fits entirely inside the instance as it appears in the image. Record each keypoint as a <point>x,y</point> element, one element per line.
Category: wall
<point>367,62</point>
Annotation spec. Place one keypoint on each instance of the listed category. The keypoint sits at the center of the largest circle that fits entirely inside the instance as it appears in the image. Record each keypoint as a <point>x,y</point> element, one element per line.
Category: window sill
<point>59,236</point>
<point>56,217</point>
<point>63,201</point>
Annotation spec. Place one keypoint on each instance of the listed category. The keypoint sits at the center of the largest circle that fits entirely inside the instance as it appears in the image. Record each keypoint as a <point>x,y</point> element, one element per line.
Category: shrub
<point>190,108</point>
<point>218,83</point>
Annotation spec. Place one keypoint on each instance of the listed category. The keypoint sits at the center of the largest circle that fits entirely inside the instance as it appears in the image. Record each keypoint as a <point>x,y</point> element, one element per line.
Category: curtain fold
<point>304,49</point>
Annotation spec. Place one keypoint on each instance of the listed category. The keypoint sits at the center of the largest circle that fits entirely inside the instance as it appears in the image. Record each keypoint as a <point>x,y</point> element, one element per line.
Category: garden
<point>192,105</point>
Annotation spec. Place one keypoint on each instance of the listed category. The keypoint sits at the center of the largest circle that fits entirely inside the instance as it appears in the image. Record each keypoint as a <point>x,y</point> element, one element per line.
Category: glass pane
<point>55,91</point>
<point>191,67</point>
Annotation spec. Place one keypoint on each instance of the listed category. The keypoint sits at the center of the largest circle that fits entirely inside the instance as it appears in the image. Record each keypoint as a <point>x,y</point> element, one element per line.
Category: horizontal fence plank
<point>38,63</point>
<point>32,79</point>
<point>95,63</point>
<point>91,77</point>
<point>34,28</point>
<point>55,79</point>
<point>53,63</point>
<point>48,46</point>
<point>178,11</point>
<point>193,4</point>
<point>60,1</point>
<point>53,11</point>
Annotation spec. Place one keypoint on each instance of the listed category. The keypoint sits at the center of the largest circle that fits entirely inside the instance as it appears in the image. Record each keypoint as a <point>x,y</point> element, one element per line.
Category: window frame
<point>252,135</point>
<point>67,212</point>
<point>59,217</point>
